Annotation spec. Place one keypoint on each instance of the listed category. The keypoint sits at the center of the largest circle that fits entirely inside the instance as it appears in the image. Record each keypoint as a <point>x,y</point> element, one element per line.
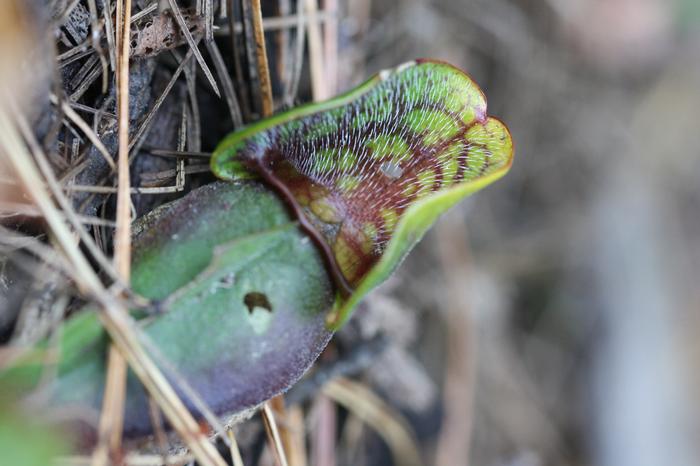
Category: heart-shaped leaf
<point>243,295</point>
<point>368,172</point>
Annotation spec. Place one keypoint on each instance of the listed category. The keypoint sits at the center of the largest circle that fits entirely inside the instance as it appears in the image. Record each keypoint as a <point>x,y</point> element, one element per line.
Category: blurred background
<point>559,308</point>
<point>552,318</point>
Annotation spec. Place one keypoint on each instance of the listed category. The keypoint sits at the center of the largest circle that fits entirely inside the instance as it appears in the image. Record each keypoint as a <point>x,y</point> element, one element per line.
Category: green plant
<point>367,173</point>
<point>242,301</point>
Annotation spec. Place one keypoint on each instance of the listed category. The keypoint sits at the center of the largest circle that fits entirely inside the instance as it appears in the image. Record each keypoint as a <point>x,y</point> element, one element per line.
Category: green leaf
<point>243,295</point>
<point>368,172</point>
<point>25,442</point>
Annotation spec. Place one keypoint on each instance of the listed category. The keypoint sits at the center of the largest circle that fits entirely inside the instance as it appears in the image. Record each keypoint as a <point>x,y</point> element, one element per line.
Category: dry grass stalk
<point>159,434</point>
<point>273,435</point>
<point>63,202</point>
<point>112,415</point>
<point>226,82</point>
<point>280,442</point>
<point>389,424</point>
<point>261,59</point>
<point>138,137</point>
<point>193,45</point>
<point>85,128</point>
<point>296,430</point>
<point>235,452</point>
<point>129,344</point>
<point>289,432</point>
<point>115,316</point>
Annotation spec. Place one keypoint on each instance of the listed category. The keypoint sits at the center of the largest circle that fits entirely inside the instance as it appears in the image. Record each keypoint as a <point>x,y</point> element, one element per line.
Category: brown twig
<point>293,448</point>
<point>261,57</point>
<point>281,442</point>
<point>122,240</point>
<point>137,138</point>
<point>85,128</point>
<point>112,415</point>
<point>363,403</point>
<point>296,429</point>
<point>95,36</point>
<point>115,317</point>
<point>193,46</point>
<point>181,154</point>
<point>67,211</point>
<point>235,452</point>
<point>161,438</point>
<point>124,332</point>
<point>194,129</point>
<point>227,84</point>
<point>274,435</point>
<point>109,32</point>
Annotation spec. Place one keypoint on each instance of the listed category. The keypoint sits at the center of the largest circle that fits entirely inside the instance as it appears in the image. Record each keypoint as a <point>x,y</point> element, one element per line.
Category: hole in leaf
<point>255,299</point>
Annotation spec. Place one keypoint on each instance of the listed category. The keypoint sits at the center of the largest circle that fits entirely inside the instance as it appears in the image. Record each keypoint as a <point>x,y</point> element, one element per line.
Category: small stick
<point>112,415</point>
<point>261,56</point>
<point>109,32</point>
<point>85,128</point>
<point>235,452</point>
<point>193,45</point>
<point>136,140</point>
<point>122,241</point>
<point>95,36</point>
<point>181,154</point>
<point>296,429</point>
<point>289,444</point>
<point>253,82</point>
<point>226,83</point>
<point>274,434</point>
<point>161,438</point>
<point>114,316</point>
<point>146,11</point>
<point>363,403</point>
